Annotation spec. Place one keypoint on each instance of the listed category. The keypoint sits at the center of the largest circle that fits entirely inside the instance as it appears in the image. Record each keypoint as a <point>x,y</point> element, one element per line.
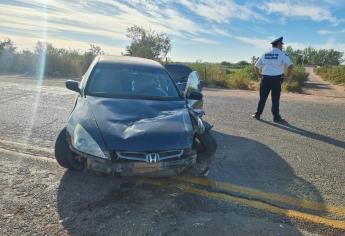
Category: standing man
<point>270,69</point>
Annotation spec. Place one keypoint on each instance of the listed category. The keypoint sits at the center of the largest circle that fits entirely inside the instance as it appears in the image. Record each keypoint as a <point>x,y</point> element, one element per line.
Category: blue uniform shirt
<point>273,62</point>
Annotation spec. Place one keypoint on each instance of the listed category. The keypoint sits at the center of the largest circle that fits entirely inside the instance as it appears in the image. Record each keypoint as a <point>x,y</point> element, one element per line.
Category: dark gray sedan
<point>130,119</point>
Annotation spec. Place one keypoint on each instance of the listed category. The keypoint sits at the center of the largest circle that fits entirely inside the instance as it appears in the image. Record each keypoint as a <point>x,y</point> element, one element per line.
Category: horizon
<point>210,31</point>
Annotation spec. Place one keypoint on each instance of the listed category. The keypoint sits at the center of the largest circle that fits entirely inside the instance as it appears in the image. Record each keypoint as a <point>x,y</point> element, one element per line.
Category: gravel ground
<point>303,159</point>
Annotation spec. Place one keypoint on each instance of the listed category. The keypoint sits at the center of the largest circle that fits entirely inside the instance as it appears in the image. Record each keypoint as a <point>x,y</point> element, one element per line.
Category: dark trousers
<point>270,84</point>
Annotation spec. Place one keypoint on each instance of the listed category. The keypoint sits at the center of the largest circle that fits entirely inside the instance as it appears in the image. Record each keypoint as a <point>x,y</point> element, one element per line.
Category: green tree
<point>7,56</point>
<point>7,45</point>
<point>321,57</point>
<point>242,64</point>
<point>147,43</point>
<point>254,59</point>
<point>90,54</point>
<point>225,63</point>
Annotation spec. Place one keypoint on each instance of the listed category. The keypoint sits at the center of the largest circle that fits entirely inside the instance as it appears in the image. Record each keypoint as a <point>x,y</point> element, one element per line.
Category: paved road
<point>267,179</point>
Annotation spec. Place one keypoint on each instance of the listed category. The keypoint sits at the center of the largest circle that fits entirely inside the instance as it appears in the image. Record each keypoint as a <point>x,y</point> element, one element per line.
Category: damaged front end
<point>125,165</point>
<point>156,142</point>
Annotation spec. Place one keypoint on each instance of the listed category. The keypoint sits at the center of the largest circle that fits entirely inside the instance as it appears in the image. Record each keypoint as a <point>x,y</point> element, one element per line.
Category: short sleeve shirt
<point>273,62</point>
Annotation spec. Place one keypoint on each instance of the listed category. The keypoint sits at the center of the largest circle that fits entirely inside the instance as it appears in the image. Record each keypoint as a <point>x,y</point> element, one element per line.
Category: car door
<point>193,84</point>
<point>179,73</point>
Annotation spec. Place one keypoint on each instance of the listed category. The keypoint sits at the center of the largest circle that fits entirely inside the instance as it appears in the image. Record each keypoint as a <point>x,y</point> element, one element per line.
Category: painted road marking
<point>226,197</point>
<point>255,204</point>
<point>307,204</point>
<point>25,155</point>
<point>25,148</point>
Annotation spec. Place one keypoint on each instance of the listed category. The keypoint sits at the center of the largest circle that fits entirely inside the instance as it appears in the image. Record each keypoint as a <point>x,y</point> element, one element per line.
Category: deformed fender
<point>208,126</point>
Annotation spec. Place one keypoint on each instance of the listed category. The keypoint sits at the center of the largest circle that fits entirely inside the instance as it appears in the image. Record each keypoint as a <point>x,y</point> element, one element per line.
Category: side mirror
<point>202,84</point>
<point>195,96</point>
<point>73,85</point>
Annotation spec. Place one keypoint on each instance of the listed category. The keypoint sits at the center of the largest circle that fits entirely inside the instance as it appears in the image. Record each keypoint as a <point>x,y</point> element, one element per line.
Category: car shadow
<point>291,128</point>
<point>94,205</point>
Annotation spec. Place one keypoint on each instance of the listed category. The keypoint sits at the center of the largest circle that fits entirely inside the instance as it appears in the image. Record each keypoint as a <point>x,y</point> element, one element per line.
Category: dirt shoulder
<point>317,86</point>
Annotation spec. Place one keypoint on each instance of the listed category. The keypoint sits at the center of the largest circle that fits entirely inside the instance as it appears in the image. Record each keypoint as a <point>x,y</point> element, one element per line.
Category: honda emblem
<point>152,157</point>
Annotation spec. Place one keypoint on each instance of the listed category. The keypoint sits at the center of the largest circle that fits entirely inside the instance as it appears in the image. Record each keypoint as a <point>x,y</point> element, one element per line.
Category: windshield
<point>131,81</point>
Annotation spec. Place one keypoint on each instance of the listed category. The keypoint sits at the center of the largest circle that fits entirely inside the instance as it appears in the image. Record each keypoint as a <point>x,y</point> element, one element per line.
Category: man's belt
<point>273,76</point>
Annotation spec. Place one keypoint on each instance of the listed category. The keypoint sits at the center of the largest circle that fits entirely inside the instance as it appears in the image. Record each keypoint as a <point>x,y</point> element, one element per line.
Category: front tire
<point>206,147</point>
<point>64,156</point>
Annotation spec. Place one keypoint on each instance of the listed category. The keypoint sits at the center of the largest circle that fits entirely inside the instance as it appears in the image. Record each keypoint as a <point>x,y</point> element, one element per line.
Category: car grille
<point>151,157</point>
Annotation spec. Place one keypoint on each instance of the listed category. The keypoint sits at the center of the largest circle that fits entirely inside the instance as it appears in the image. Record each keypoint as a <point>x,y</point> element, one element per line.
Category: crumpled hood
<point>142,125</point>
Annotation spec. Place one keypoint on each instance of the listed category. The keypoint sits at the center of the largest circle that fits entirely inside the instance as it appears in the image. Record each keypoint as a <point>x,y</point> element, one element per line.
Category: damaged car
<point>130,119</point>
<point>180,74</point>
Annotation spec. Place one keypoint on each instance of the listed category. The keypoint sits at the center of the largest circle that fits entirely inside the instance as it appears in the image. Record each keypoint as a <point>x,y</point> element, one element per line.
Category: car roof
<point>177,64</point>
<point>126,60</point>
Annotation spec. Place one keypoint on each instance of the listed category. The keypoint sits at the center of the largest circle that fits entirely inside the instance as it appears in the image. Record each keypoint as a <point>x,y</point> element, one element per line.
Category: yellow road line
<point>26,146</point>
<point>258,193</point>
<point>40,158</point>
<point>258,205</point>
<point>235,188</point>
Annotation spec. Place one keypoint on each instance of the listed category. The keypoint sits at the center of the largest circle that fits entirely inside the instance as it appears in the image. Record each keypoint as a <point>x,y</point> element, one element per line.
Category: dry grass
<point>333,74</point>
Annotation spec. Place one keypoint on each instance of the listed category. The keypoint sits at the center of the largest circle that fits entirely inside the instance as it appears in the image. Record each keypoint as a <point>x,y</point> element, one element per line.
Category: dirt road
<point>317,86</point>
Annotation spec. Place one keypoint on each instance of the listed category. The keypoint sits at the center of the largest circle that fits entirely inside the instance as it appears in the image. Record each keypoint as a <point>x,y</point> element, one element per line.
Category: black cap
<point>278,40</point>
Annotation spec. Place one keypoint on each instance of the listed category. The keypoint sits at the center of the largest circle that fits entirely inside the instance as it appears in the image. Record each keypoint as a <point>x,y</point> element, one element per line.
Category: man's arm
<point>287,61</point>
<point>258,66</point>
<point>258,73</point>
<point>289,72</point>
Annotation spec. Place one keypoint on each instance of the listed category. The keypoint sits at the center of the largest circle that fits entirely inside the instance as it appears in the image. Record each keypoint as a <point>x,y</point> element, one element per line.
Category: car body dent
<point>82,114</point>
<point>135,125</point>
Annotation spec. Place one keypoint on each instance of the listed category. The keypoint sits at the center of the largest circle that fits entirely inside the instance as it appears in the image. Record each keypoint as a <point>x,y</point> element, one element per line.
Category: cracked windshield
<point>186,117</point>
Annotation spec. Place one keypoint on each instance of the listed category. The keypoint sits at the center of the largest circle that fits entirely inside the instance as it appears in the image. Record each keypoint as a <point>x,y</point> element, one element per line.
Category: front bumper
<point>138,168</point>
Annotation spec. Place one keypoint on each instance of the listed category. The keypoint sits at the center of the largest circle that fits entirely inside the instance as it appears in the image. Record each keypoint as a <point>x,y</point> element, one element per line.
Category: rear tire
<point>64,156</point>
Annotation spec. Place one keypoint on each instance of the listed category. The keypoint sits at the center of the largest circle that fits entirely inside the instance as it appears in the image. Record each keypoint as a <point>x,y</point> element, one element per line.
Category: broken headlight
<point>83,142</point>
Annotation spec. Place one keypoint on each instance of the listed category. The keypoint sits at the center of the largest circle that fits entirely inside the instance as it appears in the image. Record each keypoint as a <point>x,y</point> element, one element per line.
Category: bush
<point>333,74</point>
<point>233,76</point>
<point>243,79</point>
<point>239,83</point>
<point>59,62</point>
<point>295,84</point>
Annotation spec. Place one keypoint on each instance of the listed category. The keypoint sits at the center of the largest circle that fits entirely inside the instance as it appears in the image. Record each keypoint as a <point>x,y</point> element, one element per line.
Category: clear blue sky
<point>200,30</point>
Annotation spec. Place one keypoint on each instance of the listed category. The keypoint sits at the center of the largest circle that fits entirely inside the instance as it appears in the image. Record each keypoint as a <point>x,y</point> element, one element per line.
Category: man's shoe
<point>256,116</point>
<point>278,119</point>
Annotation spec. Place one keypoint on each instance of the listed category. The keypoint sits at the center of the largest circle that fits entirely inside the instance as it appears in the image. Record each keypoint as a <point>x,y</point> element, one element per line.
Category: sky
<point>210,31</point>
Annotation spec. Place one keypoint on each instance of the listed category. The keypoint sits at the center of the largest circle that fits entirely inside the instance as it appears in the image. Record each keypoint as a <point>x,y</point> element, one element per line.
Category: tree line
<point>143,43</point>
<point>59,62</point>
<point>318,57</point>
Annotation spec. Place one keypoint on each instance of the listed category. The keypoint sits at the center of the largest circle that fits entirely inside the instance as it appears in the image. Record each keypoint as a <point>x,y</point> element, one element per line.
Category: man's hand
<point>289,73</point>
<point>258,73</point>
<point>287,77</point>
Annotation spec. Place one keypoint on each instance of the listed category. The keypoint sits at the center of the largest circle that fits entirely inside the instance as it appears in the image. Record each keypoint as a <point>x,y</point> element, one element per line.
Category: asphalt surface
<point>269,172</point>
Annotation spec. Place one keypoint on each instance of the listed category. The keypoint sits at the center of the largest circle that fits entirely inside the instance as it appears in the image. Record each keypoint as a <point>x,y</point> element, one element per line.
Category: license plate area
<point>145,167</point>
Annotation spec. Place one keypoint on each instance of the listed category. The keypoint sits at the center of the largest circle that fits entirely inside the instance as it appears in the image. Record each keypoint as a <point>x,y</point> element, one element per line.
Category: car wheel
<point>64,156</point>
<point>206,147</point>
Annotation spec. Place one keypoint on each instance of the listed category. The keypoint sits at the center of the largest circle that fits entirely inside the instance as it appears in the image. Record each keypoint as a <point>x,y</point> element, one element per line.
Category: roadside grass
<point>226,77</point>
<point>333,74</point>
<point>244,78</point>
<point>61,62</point>
<point>296,83</point>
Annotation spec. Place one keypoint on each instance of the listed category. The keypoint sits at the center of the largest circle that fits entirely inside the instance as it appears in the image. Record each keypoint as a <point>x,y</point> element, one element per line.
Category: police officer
<point>270,68</point>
